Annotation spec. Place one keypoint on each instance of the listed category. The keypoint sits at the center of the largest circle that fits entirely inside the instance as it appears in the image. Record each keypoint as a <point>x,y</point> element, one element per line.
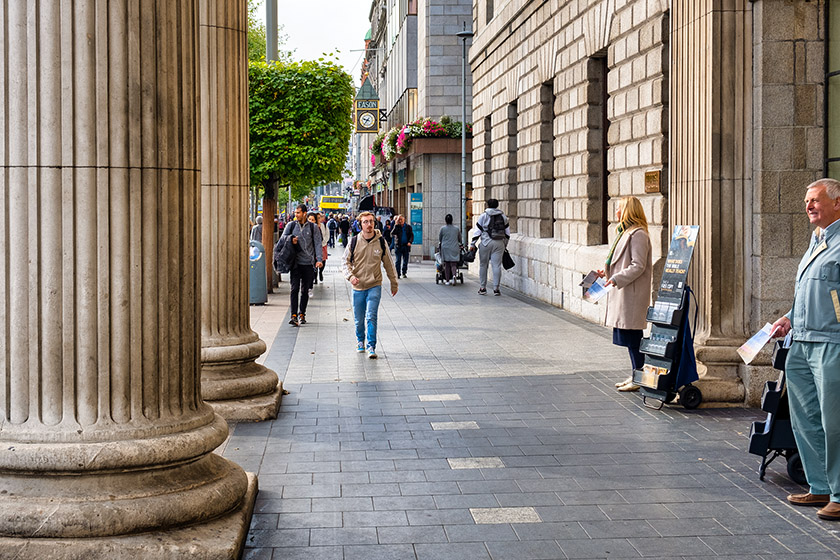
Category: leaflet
<point>753,346</point>
<point>589,279</point>
<point>597,291</point>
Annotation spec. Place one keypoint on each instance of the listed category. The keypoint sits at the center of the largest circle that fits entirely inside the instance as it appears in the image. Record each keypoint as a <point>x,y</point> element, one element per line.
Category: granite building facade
<point>711,112</point>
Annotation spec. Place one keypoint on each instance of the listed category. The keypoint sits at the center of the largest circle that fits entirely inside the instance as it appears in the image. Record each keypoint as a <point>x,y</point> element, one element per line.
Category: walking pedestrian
<point>256,231</point>
<point>306,238</point>
<point>344,228</point>
<point>386,234</point>
<point>629,267</point>
<point>362,267</point>
<point>493,235</point>
<point>813,361</point>
<point>450,250</point>
<point>320,219</point>
<point>403,235</point>
<point>332,225</point>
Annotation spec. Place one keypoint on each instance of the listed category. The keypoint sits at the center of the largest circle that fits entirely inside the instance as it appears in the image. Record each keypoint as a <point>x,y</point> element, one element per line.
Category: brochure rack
<point>670,367</point>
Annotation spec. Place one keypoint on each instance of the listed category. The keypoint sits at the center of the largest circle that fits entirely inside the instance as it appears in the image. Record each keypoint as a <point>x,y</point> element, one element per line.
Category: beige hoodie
<point>367,260</point>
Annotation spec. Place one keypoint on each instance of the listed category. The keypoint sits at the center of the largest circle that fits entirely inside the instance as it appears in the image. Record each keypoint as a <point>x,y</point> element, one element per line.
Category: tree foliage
<point>300,116</point>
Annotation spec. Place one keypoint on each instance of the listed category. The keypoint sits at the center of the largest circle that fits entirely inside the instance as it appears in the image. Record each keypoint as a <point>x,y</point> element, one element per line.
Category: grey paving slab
<point>378,552</point>
<point>531,550</point>
<point>451,551</point>
<point>352,467</point>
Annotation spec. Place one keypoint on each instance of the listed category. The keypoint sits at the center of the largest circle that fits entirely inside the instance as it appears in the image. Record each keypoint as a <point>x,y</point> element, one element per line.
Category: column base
<point>718,367</point>
<point>251,409</point>
<point>220,539</point>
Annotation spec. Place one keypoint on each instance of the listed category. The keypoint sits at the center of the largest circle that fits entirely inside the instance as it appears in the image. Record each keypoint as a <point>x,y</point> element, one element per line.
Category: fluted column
<point>104,432</point>
<point>711,178</point>
<point>231,381</point>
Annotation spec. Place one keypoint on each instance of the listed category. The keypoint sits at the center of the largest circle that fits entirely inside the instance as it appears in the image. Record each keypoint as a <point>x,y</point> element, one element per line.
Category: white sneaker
<point>625,382</point>
<point>311,293</point>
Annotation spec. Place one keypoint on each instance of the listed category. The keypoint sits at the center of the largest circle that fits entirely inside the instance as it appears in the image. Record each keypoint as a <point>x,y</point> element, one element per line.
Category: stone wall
<point>539,114</point>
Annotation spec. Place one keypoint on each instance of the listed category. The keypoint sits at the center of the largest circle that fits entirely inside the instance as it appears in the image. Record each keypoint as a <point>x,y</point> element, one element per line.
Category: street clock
<point>367,115</point>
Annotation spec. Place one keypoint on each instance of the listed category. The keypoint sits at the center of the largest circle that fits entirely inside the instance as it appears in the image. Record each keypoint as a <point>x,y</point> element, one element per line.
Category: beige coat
<point>368,260</point>
<point>631,270</point>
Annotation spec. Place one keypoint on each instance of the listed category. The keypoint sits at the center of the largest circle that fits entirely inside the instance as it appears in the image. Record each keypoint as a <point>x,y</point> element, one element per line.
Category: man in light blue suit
<point>813,363</point>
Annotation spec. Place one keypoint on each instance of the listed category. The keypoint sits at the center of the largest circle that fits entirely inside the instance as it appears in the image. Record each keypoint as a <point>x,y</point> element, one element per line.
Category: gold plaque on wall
<point>652,181</point>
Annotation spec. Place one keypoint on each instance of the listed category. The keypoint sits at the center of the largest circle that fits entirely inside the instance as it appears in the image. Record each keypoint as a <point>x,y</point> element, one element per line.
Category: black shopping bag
<point>507,261</point>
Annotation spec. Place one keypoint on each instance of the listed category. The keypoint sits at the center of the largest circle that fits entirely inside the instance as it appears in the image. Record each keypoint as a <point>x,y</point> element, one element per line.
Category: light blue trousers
<point>813,384</point>
<point>366,310</point>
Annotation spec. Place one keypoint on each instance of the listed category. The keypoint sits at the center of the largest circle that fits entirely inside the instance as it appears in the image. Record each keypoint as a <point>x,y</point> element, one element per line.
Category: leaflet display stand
<point>670,367</point>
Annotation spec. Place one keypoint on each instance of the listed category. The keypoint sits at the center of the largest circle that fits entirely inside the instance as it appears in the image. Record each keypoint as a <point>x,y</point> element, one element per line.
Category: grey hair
<point>259,219</point>
<point>832,187</point>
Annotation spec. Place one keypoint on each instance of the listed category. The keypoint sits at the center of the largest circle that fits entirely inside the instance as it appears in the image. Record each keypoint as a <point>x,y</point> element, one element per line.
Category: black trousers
<point>300,278</point>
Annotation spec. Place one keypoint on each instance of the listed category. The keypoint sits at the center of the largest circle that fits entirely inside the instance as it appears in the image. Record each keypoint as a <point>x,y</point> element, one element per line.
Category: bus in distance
<point>331,202</point>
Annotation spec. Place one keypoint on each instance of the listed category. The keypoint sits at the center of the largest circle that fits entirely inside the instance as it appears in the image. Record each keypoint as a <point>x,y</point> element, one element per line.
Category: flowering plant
<point>398,139</point>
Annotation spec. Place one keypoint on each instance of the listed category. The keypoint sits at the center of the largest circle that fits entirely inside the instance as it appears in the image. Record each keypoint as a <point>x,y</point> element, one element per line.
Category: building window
<point>547,107</point>
<point>598,125</point>
<point>489,9</point>
<point>832,80</point>
<point>488,157</point>
<point>508,201</point>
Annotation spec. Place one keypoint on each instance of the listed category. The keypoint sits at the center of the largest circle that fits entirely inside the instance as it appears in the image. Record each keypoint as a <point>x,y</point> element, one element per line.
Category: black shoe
<point>301,318</point>
<point>497,293</point>
<point>294,320</point>
<point>482,292</point>
<point>405,275</point>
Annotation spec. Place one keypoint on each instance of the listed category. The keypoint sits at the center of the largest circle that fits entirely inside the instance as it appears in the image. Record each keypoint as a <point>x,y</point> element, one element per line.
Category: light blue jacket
<point>815,315</point>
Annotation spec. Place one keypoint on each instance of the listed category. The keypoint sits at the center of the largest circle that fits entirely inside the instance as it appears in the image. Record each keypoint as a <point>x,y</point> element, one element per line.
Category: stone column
<point>711,96</point>
<point>107,444</point>
<point>231,382</point>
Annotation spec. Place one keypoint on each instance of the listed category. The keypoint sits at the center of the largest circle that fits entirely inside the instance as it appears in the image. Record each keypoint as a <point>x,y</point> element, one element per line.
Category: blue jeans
<point>365,310</point>
<point>402,258</point>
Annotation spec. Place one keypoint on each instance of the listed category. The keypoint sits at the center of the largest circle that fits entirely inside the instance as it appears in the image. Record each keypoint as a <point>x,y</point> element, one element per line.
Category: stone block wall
<point>789,43</point>
<point>440,58</point>
<point>537,89</point>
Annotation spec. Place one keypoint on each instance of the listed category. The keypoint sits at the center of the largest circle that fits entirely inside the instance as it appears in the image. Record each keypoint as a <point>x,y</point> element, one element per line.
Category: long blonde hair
<point>632,213</point>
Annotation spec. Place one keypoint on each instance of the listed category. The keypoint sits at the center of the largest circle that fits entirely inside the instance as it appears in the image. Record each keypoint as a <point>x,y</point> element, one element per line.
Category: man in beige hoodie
<point>362,267</point>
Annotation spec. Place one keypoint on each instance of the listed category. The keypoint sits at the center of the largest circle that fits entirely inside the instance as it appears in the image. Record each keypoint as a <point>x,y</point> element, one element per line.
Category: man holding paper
<point>813,363</point>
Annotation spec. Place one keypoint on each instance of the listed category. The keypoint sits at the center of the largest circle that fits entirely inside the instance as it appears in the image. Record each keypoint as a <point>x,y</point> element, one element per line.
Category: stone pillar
<point>231,382</point>
<point>711,177</point>
<point>107,444</point>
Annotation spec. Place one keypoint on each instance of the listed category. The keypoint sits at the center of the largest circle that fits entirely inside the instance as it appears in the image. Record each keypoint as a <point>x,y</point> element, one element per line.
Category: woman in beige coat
<point>629,268</point>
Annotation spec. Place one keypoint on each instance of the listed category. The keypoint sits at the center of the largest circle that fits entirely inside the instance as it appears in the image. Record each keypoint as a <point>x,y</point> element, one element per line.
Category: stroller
<point>439,274</point>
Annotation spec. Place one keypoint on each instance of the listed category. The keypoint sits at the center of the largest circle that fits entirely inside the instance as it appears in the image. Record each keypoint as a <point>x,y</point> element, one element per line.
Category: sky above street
<point>318,26</point>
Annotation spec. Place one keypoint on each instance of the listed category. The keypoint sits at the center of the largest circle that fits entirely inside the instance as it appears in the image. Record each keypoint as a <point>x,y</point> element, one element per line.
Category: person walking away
<point>307,239</point>
<point>332,225</point>
<point>321,220</point>
<point>362,267</point>
<point>344,227</point>
<point>256,231</point>
<point>813,361</point>
<point>386,234</point>
<point>450,250</point>
<point>629,267</point>
<point>403,235</point>
<point>491,241</point>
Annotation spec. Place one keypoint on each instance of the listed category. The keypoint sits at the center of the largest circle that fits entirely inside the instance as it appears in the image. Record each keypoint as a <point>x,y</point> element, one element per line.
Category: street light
<point>464,35</point>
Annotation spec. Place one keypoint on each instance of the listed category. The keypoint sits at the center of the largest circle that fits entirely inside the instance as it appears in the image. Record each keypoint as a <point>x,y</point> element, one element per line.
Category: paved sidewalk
<point>489,428</point>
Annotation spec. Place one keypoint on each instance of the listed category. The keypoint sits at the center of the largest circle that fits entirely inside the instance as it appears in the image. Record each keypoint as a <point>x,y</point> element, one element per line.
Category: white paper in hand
<point>753,346</point>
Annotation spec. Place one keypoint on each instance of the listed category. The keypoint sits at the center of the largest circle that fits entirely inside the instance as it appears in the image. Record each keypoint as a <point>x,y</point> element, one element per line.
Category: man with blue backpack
<point>494,232</point>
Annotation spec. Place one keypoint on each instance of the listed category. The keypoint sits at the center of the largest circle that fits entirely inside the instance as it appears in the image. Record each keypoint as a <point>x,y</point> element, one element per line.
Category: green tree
<point>300,117</point>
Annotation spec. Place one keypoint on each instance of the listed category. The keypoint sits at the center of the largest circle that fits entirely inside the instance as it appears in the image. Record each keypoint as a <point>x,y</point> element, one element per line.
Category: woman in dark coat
<point>450,250</point>
<point>386,233</point>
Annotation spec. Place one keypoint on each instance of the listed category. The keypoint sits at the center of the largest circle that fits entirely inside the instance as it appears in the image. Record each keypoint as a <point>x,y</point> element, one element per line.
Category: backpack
<point>496,226</point>
<point>353,246</point>
<point>284,255</point>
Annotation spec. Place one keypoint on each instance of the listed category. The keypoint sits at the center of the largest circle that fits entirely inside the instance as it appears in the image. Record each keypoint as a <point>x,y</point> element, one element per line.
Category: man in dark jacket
<point>403,236</point>
<point>306,237</point>
<point>344,228</point>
